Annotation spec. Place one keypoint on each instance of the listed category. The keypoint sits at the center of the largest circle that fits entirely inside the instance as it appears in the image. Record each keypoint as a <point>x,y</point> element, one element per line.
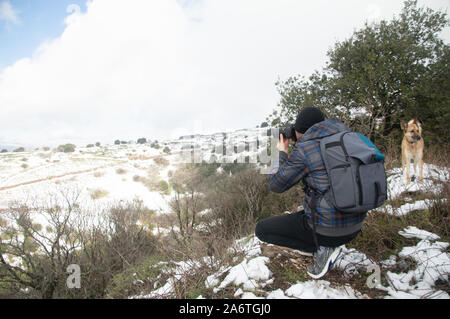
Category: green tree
<point>384,72</point>
<point>142,140</point>
<point>66,148</point>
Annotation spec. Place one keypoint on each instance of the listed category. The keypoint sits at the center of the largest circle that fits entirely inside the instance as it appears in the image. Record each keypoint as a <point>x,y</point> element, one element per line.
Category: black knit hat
<point>307,118</point>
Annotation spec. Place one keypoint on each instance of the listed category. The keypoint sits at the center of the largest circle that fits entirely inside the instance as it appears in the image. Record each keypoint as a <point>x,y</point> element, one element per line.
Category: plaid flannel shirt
<point>305,164</point>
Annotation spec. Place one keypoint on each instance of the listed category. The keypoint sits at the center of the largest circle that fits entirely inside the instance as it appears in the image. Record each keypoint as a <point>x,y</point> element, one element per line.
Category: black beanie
<point>307,118</point>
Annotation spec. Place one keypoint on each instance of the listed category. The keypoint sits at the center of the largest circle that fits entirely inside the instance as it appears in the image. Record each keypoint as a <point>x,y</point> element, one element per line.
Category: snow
<point>247,273</point>
<point>46,173</point>
<point>352,261</point>
<point>432,264</point>
<point>320,289</point>
<point>414,232</point>
<point>252,274</point>
<point>432,175</point>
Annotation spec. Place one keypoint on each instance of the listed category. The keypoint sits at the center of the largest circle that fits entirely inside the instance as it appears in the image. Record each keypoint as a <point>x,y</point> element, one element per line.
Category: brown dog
<point>412,147</point>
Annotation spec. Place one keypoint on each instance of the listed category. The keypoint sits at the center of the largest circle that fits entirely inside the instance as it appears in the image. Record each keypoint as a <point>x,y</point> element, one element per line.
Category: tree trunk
<point>49,291</point>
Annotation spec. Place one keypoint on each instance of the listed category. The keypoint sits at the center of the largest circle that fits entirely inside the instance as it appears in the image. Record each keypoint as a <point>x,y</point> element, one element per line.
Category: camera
<point>288,132</point>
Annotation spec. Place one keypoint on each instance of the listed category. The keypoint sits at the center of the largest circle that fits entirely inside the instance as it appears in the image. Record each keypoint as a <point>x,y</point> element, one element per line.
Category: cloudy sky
<point>79,72</point>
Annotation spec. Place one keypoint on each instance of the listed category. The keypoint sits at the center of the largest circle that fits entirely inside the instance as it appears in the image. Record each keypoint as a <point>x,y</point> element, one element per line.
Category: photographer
<point>331,229</point>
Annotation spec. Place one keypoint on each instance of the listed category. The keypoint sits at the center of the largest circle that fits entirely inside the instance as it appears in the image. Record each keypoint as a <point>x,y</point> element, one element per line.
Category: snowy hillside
<point>112,170</point>
<point>107,174</point>
<point>256,272</point>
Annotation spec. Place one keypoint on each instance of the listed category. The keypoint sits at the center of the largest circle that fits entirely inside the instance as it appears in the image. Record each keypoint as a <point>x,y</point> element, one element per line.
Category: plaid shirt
<point>305,164</point>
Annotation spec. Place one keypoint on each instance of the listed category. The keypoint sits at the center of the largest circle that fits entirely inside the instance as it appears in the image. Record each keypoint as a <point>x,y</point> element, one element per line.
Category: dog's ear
<point>403,125</point>
<point>419,125</point>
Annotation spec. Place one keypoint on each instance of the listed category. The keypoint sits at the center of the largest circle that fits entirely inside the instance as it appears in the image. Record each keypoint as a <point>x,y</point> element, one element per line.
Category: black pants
<point>293,231</point>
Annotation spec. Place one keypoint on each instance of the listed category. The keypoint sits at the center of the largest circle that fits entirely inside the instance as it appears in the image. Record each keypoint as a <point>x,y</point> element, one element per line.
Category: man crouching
<point>305,163</point>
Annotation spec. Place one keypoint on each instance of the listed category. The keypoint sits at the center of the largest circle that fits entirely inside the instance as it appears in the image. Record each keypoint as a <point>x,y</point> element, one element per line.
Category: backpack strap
<point>314,193</point>
<point>313,215</point>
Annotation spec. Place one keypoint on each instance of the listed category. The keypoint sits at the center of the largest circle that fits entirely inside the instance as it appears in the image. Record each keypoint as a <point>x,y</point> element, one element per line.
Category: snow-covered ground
<point>110,170</point>
<point>106,175</point>
<point>250,276</point>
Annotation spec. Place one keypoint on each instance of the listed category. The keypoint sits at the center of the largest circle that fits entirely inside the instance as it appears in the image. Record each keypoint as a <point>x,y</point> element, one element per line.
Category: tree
<point>383,72</point>
<point>44,255</point>
<point>117,142</point>
<point>186,202</point>
<point>97,144</point>
<point>35,256</point>
<point>66,148</point>
<point>155,145</point>
<point>142,140</point>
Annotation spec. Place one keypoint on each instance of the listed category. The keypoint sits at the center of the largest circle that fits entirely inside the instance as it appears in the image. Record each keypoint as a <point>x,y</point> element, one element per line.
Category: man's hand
<point>283,144</point>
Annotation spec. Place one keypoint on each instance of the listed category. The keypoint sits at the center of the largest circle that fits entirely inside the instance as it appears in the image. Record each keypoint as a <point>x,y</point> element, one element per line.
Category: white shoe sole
<point>304,253</point>
<point>330,261</point>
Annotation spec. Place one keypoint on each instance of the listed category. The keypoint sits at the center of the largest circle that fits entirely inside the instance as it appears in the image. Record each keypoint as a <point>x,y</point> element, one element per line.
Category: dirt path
<point>53,177</point>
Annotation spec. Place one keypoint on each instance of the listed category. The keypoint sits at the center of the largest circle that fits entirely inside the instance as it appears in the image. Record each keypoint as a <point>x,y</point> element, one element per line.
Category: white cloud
<point>8,13</point>
<point>132,68</point>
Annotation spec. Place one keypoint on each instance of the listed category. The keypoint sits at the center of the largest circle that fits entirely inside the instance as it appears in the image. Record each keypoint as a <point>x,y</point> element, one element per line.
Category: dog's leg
<point>403,162</point>
<point>421,170</point>
<point>407,170</point>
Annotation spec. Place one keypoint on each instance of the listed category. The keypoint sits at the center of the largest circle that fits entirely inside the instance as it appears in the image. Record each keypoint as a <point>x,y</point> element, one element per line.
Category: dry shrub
<point>101,243</point>
<point>98,193</point>
<point>161,161</point>
<point>121,171</point>
<point>99,174</point>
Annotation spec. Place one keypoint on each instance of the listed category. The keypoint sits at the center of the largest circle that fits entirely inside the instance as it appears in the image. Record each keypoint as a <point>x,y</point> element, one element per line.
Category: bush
<point>134,279</point>
<point>163,187</point>
<point>4,151</point>
<point>161,161</point>
<point>66,148</point>
<point>117,142</point>
<point>90,145</point>
<point>120,171</point>
<point>97,144</point>
<point>98,193</point>
<point>142,140</point>
<point>20,149</point>
<point>166,150</point>
<point>155,145</point>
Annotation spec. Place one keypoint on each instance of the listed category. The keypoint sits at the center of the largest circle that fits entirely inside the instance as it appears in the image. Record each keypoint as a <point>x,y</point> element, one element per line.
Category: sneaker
<point>324,258</point>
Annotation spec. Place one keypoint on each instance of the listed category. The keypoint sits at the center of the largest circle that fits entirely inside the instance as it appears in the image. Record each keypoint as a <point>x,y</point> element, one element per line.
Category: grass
<point>135,279</point>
